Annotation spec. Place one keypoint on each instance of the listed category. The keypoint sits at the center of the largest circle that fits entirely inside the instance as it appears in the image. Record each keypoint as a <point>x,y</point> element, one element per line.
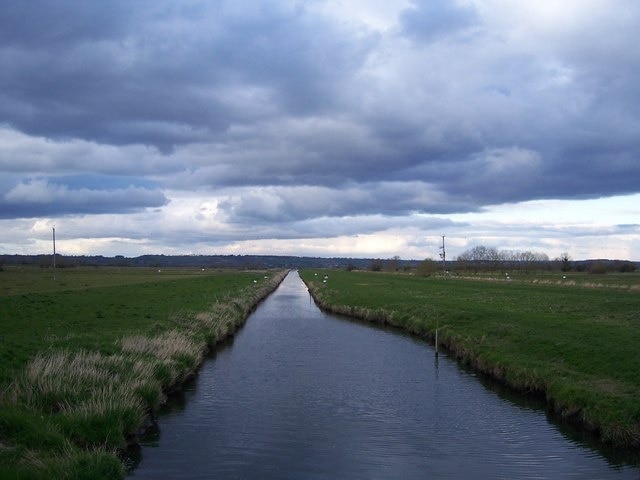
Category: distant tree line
<point>395,264</point>
<point>482,258</point>
<point>392,264</point>
<point>475,260</point>
<point>490,259</point>
<point>605,266</point>
<point>204,261</point>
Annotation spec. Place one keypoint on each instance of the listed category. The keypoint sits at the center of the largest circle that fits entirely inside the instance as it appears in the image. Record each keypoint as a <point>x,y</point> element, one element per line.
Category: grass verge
<point>576,345</point>
<point>85,362</point>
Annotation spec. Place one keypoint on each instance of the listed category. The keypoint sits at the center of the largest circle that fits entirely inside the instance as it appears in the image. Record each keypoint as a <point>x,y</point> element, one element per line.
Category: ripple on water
<point>304,395</point>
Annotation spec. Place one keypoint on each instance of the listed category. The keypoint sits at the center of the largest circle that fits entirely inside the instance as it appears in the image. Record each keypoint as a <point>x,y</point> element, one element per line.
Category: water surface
<point>299,394</point>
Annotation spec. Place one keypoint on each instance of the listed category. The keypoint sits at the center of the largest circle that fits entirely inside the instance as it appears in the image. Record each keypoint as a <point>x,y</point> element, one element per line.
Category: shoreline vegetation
<point>86,363</point>
<point>571,342</point>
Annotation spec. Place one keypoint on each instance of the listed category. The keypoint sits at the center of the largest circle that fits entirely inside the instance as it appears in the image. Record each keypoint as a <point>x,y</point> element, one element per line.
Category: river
<point>300,394</point>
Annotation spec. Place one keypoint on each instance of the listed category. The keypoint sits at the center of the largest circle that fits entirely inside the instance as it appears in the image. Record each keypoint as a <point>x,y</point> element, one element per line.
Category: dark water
<point>299,394</point>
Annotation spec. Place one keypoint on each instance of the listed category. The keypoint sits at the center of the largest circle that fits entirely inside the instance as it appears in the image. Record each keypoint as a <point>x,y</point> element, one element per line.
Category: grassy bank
<point>576,343</point>
<point>86,358</point>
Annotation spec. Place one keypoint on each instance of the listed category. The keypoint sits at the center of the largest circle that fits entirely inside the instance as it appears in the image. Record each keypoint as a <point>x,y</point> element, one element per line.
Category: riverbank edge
<point>570,413</point>
<point>77,447</point>
<point>149,423</point>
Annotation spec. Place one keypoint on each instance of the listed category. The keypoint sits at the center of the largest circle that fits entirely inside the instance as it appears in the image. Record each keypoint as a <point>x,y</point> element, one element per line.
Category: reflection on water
<point>300,394</point>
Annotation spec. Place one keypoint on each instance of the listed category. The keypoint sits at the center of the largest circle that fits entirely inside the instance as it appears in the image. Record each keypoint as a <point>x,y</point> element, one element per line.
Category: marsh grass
<point>574,343</point>
<point>67,408</point>
<point>70,463</point>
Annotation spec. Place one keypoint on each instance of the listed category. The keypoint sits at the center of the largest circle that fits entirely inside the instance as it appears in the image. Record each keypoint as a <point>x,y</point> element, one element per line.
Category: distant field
<point>575,339</point>
<point>623,281</point>
<point>30,279</point>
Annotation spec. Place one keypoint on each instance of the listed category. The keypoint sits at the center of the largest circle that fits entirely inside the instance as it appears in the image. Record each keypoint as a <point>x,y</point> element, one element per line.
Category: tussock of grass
<point>69,464</point>
<point>166,346</point>
<point>178,352</point>
<point>68,411</point>
<point>58,381</point>
<point>82,395</point>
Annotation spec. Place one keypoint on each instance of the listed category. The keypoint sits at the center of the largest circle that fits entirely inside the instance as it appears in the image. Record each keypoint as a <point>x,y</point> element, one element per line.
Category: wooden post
<point>436,338</point>
<point>54,254</point>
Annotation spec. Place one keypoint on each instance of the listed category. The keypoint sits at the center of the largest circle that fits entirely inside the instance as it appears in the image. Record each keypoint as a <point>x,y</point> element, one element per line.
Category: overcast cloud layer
<point>321,127</point>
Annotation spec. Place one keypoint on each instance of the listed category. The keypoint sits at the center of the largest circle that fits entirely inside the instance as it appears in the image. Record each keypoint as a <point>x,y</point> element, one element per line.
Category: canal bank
<point>513,334</point>
<point>70,409</point>
<point>210,328</point>
<point>301,394</point>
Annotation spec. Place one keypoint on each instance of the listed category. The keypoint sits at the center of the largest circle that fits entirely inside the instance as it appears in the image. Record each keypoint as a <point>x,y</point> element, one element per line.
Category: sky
<point>361,128</point>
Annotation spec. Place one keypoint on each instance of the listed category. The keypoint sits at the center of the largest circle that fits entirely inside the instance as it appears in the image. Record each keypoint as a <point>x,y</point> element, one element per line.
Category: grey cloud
<point>156,78</point>
<point>288,204</point>
<point>266,95</point>
<point>41,23</point>
<point>312,151</point>
<point>41,198</point>
<point>32,156</point>
<point>498,175</point>
<point>433,19</point>
<point>319,227</point>
<point>166,231</point>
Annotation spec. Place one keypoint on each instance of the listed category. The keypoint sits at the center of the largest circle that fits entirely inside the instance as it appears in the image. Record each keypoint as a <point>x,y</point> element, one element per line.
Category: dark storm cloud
<point>459,106</point>
<point>42,23</point>
<point>163,75</point>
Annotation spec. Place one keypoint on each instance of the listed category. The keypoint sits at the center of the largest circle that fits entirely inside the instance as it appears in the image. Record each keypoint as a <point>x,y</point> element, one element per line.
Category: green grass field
<point>574,339</point>
<point>84,358</point>
<point>90,308</point>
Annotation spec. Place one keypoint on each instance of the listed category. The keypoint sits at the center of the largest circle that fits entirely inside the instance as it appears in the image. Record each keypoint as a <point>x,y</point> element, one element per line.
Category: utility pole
<point>443,256</point>
<point>54,254</point>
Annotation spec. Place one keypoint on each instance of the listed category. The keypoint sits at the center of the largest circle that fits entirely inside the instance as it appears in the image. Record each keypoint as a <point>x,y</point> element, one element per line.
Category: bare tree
<point>490,258</point>
<point>427,267</point>
<point>393,264</point>
<point>565,260</point>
